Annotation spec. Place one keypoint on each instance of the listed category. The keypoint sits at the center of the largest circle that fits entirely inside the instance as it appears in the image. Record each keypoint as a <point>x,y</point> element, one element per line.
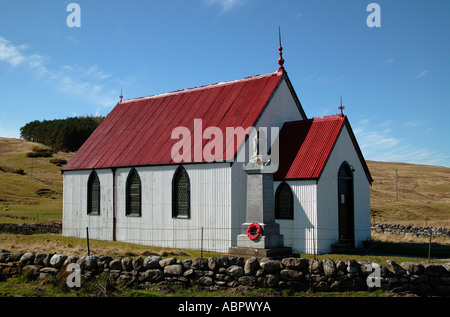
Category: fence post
<point>429,246</point>
<point>201,244</point>
<point>87,240</point>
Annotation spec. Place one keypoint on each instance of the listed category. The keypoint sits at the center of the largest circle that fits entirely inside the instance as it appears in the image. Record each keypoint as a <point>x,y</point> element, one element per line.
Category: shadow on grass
<point>437,250</point>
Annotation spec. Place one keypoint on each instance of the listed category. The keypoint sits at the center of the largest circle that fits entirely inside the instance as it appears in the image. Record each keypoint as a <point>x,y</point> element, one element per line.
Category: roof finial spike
<point>341,108</point>
<point>281,60</point>
<point>121,96</point>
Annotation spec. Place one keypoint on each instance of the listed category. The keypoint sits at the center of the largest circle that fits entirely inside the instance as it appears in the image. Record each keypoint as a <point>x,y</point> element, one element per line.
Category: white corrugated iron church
<point>167,170</point>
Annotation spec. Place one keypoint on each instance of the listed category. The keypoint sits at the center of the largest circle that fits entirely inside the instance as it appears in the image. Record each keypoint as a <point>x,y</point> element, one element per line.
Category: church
<point>168,170</point>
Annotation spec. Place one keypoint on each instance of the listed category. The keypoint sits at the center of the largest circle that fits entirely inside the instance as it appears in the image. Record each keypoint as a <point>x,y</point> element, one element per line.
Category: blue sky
<point>394,79</point>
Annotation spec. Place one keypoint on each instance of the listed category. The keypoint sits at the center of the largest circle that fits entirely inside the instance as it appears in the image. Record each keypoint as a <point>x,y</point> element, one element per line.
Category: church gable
<point>307,145</point>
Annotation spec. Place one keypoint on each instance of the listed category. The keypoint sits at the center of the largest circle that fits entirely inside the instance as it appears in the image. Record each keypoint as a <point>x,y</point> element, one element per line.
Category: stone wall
<point>298,274</point>
<point>33,228</point>
<point>411,230</point>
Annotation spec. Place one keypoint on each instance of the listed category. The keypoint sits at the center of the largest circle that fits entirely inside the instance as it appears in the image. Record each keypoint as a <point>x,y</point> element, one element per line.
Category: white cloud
<point>77,81</point>
<point>226,5</point>
<point>378,143</point>
<point>389,61</point>
<point>423,73</point>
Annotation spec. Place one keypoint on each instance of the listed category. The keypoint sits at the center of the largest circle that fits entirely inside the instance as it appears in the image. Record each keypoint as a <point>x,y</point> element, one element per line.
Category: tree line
<point>61,134</point>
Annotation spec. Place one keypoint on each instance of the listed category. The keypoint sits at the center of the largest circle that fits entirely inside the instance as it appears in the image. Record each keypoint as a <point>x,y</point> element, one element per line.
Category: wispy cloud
<point>85,82</point>
<point>423,73</point>
<point>388,61</point>
<point>226,5</point>
<point>322,79</point>
<point>378,142</point>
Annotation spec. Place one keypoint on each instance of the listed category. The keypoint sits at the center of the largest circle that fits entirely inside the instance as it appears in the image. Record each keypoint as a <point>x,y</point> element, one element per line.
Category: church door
<point>346,204</point>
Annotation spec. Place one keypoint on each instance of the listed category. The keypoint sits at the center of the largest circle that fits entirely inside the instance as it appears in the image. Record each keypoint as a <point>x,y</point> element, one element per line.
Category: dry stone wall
<point>298,274</point>
<point>33,228</point>
<point>411,230</point>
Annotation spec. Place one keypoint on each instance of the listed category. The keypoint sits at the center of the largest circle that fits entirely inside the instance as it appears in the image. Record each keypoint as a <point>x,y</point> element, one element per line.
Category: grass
<point>423,194</point>
<point>35,196</point>
<point>385,248</point>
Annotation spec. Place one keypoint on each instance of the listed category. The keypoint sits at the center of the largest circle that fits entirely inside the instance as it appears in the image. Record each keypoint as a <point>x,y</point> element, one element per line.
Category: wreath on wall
<point>254,231</point>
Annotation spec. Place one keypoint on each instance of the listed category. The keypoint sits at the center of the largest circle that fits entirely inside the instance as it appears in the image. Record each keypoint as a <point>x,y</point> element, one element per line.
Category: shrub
<point>19,171</point>
<point>58,162</point>
<point>40,152</point>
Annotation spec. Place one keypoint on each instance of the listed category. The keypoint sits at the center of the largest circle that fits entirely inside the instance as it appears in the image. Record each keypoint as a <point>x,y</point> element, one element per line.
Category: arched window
<point>181,194</point>
<point>93,202</point>
<point>133,199</point>
<point>284,202</point>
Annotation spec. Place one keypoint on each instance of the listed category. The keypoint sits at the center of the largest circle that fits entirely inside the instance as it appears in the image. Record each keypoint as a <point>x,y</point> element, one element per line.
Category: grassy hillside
<point>423,194</point>
<point>34,195</point>
<point>423,191</point>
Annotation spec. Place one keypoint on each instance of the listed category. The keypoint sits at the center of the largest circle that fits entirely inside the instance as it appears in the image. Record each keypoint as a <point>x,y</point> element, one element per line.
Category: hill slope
<point>34,195</point>
<point>423,191</point>
<point>423,194</point>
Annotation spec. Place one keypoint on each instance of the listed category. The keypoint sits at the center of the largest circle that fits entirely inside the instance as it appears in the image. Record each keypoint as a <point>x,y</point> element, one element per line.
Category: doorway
<point>346,206</point>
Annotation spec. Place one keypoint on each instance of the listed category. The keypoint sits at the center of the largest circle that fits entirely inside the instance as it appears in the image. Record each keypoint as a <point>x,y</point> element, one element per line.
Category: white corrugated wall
<point>299,233</point>
<point>328,195</point>
<point>210,209</point>
<point>75,217</point>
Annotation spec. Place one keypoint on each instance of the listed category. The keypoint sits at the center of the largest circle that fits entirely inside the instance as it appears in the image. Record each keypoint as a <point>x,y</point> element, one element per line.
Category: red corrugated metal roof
<point>306,145</point>
<point>137,132</point>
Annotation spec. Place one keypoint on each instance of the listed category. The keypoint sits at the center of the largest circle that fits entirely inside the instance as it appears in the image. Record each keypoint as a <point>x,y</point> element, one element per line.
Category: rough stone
<point>127,264</point>
<point>412,268</point>
<point>71,259</point>
<point>138,263</point>
<point>251,266</point>
<point>154,275</point>
<point>200,263</point>
<point>295,263</point>
<point>27,258</point>
<point>31,270</point>
<point>316,266</point>
<point>168,261</point>
<point>187,264</point>
<point>353,266</point>
<point>39,258</point>
<point>269,266</point>
<point>434,269</point>
<point>16,256</point>
<point>173,270</point>
<point>116,264</point>
<point>213,263</point>
<point>151,262</point>
<point>341,266</point>
<point>235,271</point>
<point>291,275</point>
<point>4,257</point>
<point>329,267</point>
<point>49,270</point>
<point>205,281</point>
<point>57,260</point>
<point>103,261</point>
<point>394,267</point>
<point>90,262</point>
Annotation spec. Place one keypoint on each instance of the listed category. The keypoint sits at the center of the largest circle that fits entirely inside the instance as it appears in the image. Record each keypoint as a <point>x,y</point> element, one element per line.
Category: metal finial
<point>341,108</point>
<point>121,97</point>
<point>281,60</point>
